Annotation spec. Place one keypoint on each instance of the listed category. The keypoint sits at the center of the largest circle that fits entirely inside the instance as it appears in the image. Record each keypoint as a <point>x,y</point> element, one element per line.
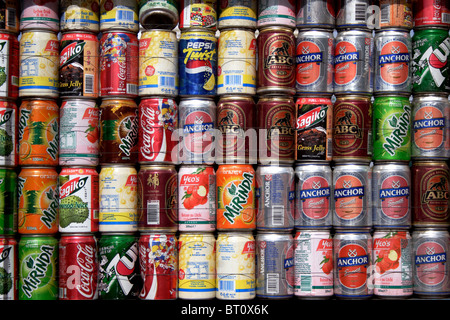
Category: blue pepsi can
<point>198,65</point>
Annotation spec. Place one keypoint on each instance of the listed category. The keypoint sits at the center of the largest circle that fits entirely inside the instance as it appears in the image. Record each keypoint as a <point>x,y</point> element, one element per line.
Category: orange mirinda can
<point>38,133</point>
<point>38,200</point>
<point>236,198</point>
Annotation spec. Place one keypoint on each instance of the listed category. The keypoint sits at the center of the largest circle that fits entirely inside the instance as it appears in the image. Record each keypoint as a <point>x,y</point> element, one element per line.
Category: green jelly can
<point>8,201</point>
<point>38,267</point>
<point>431,60</point>
<point>119,275</point>
<point>391,128</point>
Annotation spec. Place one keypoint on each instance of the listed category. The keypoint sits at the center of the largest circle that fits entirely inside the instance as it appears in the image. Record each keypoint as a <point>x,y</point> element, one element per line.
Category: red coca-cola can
<point>78,267</point>
<point>158,262</point>
<point>157,198</point>
<point>158,118</point>
<point>429,13</point>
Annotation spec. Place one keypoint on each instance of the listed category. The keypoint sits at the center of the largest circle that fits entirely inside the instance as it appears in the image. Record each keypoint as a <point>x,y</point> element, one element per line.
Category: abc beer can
<point>395,13</point>
<point>237,14</point>
<point>79,15</point>
<point>8,201</point>
<point>9,266</point>
<point>315,13</point>
<point>9,129</point>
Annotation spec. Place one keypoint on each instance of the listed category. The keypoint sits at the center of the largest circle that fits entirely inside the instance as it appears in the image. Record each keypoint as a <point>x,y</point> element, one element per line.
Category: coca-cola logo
<point>149,119</point>
<point>85,271</point>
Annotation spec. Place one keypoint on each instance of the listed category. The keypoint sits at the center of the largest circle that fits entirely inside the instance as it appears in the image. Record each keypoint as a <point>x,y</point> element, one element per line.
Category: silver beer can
<point>352,14</point>
<point>315,13</point>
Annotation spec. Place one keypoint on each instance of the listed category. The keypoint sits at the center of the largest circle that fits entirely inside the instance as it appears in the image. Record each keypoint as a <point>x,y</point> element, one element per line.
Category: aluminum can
<point>235,265</point>
<point>313,203</point>
<point>39,64</point>
<point>158,14</point>
<point>9,128</point>
<point>275,198</point>
<point>197,265</point>
<point>236,121</point>
<point>77,15</point>
<point>38,267</point>
<point>119,130</point>
<point>315,13</point>
<point>276,61</point>
<point>430,58</point>
<point>352,128</point>
<point>314,59</point>
<point>38,200</point>
<point>352,264</point>
<point>314,132</point>
<point>158,63</point>
<point>198,14</point>
<point>36,14</point>
<point>8,201</point>
<point>430,127</point>
<point>313,261</point>
<point>236,62</point>
<point>78,267</point>
<point>237,14</point>
<point>275,120</point>
<point>396,13</point>
<point>392,264</point>
<point>78,200</point>
<point>119,14</point>
<point>197,129</point>
<point>352,206</point>
<point>236,197</point>
<point>430,185</point>
<point>197,52</point>
<point>10,13</point>
<point>158,119</point>
<point>157,198</point>
<point>9,65</point>
<point>118,197</point>
<point>9,268</point>
<point>393,55</point>
<point>391,128</point>
<point>353,62</point>
<point>79,132</point>
<point>352,13</point>
<point>119,273</point>
<point>276,13</point>
<point>196,198</point>
<point>431,13</point>
<point>158,262</point>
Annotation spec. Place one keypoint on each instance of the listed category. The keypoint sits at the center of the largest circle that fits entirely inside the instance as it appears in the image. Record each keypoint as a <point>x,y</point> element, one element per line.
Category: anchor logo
<point>316,185</point>
<point>347,184</point>
<point>305,50</point>
<point>352,253</point>
<point>430,251</point>
<point>428,115</point>
<point>396,184</point>
<point>342,50</point>
<point>395,50</point>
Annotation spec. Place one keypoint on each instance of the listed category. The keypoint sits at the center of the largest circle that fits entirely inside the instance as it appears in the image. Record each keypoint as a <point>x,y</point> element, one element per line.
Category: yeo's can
<point>8,201</point>
<point>9,129</point>
<point>276,13</point>
<point>237,14</point>
<point>198,14</point>
<point>315,13</point>
<point>119,14</point>
<point>9,65</point>
<point>158,14</point>
<point>77,15</point>
<point>36,14</point>
<point>429,13</point>
<point>352,14</point>
<point>396,13</point>
<point>9,264</point>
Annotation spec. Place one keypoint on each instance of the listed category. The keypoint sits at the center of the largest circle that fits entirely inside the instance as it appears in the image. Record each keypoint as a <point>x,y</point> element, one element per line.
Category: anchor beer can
<point>315,13</point>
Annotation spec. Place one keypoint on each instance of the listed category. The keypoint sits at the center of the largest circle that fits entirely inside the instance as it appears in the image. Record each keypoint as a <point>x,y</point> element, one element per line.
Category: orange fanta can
<point>236,203</point>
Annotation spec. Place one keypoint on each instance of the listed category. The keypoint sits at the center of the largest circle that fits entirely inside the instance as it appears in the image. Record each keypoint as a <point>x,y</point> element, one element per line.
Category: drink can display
<point>353,62</point>
<point>314,58</point>
<point>157,198</point>
<point>235,265</point>
<point>158,262</point>
<point>119,275</point>
<point>276,13</point>
<point>118,197</point>
<point>78,65</point>
<point>314,132</point>
<point>197,50</point>
<point>236,197</point>
<point>391,195</point>
<point>158,63</point>
<point>275,198</point>
<point>236,13</point>
<point>352,13</point>
<point>430,185</point>
<point>9,268</point>
<point>313,203</point>
<point>313,260</point>
<point>396,13</point>
<point>393,55</point>
<point>430,129</point>
<point>430,57</point>
<point>39,64</point>
<point>10,13</point>
<point>78,267</point>
<point>9,65</point>
<point>8,201</point>
<point>352,264</point>
<point>158,14</point>
<point>119,14</point>
<point>38,267</point>
<point>79,132</point>
<point>276,61</point>
<point>9,122</point>
<point>196,198</point>
<point>80,15</point>
<point>392,263</point>
<point>352,206</point>
<point>38,200</point>
<point>158,120</point>
<point>391,128</point>
<point>275,265</point>
<point>352,128</point>
<point>78,200</point>
<point>197,265</point>
<point>36,14</point>
<point>236,62</point>
<point>198,14</point>
<point>315,13</point>
<point>275,119</point>
<point>431,13</point>
<point>119,128</point>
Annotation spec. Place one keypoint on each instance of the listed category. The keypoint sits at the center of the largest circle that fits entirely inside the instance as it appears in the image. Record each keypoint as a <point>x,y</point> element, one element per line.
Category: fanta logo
<point>71,52</point>
<point>72,186</point>
<point>240,197</point>
<point>37,270</point>
<point>400,128</point>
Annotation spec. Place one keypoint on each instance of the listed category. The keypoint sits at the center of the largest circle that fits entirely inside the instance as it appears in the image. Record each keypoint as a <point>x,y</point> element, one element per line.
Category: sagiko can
<point>275,265</point>
<point>352,14</point>
<point>315,13</point>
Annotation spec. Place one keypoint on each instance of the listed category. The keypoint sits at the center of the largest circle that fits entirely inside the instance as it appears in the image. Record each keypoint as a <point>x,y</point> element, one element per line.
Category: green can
<point>431,60</point>
<point>391,128</point>
<point>119,275</point>
<point>38,267</point>
<point>8,201</point>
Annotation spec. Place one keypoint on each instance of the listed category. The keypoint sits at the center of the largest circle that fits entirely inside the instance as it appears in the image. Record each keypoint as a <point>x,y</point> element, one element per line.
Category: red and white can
<point>78,267</point>
<point>9,65</point>
<point>9,263</point>
<point>429,13</point>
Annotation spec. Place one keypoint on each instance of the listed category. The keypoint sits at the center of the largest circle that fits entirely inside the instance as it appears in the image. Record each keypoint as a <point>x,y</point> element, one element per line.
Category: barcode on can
<point>385,14</point>
<point>153,208</point>
<point>226,285</point>
<point>360,11</point>
<point>167,82</point>
<point>11,22</point>
<point>132,88</point>
<point>233,80</point>
<point>446,18</point>
<point>124,15</point>
<point>89,83</point>
<point>305,283</point>
<point>277,215</point>
<point>273,283</point>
